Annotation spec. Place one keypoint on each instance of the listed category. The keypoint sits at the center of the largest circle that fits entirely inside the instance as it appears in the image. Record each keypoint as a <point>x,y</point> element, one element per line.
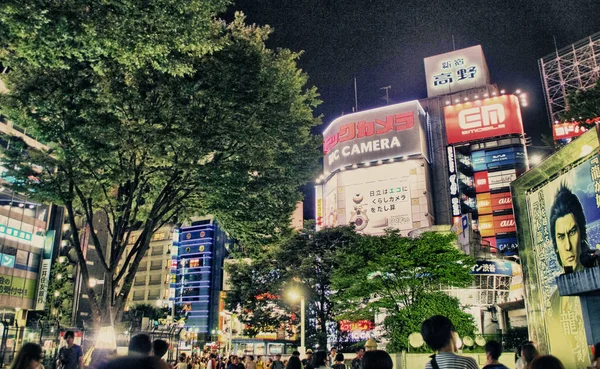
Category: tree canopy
<point>401,277</point>
<point>583,105</point>
<point>152,112</point>
<point>306,263</point>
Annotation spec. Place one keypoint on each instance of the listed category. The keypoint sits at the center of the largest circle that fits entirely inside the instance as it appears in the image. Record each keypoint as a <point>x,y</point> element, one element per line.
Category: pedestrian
<point>528,353</point>
<point>356,363</point>
<point>240,363</point>
<point>520,363</point>
<point>294,362</point>
<point>71,355</point>
<point>277,363</point>
<point>439,334</point>
<point>546,362</point>
<point>307,361</point>
<point>181,364</point>
<point>160,348</point>
<point>233,362</point>
<point>331,358</point>
<point>269,363</point>
<point>250,363</point>
<point>319,360</point>
<point>596,358</point>
<point>136,362</point>
<point>339,362</point>
<point>259,363</point>
<point>140,345</point>
<point>493,350</point>
<point>377,359</point>
<point>28,357</point>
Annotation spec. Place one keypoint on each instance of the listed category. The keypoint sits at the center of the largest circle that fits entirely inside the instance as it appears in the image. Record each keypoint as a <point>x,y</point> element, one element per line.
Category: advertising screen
<point>561,131</point>
<point>501,179</point>
<point>482,119</point>
<point>374,206</point>
<point>456,71</point>
<point>495,267</point>
<point>564,218</point>
<point>376,134</point>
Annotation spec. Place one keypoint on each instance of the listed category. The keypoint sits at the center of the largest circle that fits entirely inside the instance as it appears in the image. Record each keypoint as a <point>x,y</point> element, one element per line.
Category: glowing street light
<point>295,296</point>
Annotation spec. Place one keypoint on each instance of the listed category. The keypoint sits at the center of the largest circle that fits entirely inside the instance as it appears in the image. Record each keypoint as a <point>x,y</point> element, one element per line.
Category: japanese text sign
<point>376,134</point>
<point>456,71</point>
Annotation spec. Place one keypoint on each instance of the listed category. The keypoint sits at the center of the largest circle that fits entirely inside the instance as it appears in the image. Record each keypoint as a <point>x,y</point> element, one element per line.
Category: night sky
<point>383,43</point>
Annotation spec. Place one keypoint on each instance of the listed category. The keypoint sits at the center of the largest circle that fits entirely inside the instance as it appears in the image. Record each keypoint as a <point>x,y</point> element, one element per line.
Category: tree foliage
<point>583,105</point>
<point>306,263</point>
<point>152,112</point>
<point>59,300</point>
<point>400,276</point>
<point>409,319</point>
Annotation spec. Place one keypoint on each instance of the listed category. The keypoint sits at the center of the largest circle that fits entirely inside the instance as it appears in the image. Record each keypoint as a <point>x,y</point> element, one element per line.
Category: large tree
<point>584,106</point>
<point>399,276</point>
<point>153,111</point>
<point>305,262</point>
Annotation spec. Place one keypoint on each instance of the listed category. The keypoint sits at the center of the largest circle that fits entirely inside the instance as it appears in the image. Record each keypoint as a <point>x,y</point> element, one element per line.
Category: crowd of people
<point>438,332</point>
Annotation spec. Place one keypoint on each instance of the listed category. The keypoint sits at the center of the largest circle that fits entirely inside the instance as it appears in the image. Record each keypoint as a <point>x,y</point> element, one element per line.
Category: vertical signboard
<point>456,71</point>
<point>44,274</point>
<point>453,177</point>
<point>319,206</point>
<point>563,216</point>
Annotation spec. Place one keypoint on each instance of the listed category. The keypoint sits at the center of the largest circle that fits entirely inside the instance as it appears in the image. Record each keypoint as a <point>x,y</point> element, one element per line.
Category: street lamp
<point>295,296</point>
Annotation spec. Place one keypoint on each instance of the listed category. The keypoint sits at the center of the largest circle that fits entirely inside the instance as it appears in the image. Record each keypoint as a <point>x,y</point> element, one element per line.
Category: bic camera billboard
<point>480,119</point>
<point>392,195</point>
<point>564,217</point>
<point>377,134</point>
<point>456,71</point>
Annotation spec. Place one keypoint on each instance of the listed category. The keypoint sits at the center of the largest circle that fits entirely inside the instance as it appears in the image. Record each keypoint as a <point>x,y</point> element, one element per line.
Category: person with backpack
<point>277,363</point>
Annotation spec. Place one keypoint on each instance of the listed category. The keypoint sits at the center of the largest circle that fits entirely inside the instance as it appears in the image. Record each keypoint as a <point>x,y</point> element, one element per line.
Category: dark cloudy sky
<point>383,43</point>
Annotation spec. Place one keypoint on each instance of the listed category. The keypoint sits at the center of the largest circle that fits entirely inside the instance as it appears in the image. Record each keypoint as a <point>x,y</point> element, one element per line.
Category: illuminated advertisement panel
<point>495,267</point>
<point>482,119</point>
<point>507,245</point>
<point>376,134</point>
<point>565,228</point>
<point>501,201</point>
<point>481,182</point>
<point>453,177</point>
<point>374,206</point>
<point>501,179</point>
<point>319,206</point>
<point>561,131</point>
<point>484,203</point>
<point>486,226</point>
<point>456,71</point>
<point>504,223</point>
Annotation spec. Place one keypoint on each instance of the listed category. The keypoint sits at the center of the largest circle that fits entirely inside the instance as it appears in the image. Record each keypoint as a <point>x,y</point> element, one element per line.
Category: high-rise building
<point>197,259</point>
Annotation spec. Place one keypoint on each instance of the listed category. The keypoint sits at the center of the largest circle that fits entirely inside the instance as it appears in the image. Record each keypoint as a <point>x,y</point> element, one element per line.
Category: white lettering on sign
<point>507,223</point>
<point>364,147</point>
<point>505,201</point>
<point>481,117</point>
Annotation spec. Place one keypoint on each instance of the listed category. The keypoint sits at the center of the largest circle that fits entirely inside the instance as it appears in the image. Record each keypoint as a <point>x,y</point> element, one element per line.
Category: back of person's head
<point>128,362</point>
<point>182,358</point>
<point>437,331</point>
<point>29,352</point>
<point>294,353</point>
<point>339,357</point>
<point>494,348</point>
<point>140,344</point>
<point>160,348</point>
<point>212,355</point>
<point>319,358</point>
<point>294,363</point>
<point>546,362</point>
<point>596,350</point>
<point>377,359</point>
<point>529,352</point>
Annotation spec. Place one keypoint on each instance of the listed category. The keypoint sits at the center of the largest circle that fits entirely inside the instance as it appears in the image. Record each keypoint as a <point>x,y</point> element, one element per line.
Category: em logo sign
<point>480,119</point>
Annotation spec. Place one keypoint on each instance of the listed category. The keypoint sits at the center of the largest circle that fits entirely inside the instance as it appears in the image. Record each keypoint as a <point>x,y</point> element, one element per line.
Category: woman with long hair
<point>319,360</point>
<point>294,363</point>
<point>28,357</point>
<point>528,353</point>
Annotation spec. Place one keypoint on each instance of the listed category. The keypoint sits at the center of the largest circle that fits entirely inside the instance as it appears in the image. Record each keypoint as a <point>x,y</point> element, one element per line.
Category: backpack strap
<point>434,363</point>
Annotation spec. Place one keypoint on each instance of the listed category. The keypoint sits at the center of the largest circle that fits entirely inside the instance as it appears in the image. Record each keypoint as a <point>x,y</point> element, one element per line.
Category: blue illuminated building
<point>197,273</point>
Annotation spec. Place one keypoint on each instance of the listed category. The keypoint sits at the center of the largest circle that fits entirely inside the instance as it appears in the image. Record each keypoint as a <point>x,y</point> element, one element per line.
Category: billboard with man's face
<point>564,217</point>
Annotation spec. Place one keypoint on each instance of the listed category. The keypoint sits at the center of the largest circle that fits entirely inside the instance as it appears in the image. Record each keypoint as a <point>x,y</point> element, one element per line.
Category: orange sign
<point>486,226</point>
<point>476,120</point>
<point>484,203</point>
<point>361,325</point>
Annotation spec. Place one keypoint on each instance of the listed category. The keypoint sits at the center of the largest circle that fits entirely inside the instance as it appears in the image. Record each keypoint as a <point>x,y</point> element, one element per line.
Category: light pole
<point>294,295</point>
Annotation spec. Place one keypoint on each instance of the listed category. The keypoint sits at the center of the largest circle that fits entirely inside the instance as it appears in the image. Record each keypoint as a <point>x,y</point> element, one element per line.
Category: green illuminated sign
<point>16,233</point>
<point>16,286</point>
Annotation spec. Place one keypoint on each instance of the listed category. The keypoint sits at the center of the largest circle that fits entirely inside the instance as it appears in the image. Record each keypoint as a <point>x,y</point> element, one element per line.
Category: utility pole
<point>387,94</point>
<point>355,97</point>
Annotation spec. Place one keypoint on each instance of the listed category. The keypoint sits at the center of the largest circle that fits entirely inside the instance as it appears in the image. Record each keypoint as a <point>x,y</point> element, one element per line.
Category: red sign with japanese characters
<point>361,325</point>
<point>476,120</point>
<point>567,130</point>
<point>482,183</point>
